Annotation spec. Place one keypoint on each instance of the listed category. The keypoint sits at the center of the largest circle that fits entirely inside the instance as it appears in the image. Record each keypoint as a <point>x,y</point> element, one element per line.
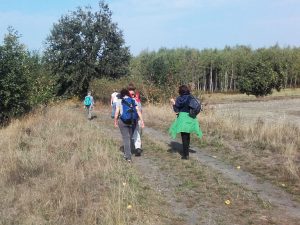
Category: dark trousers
<point>185,143</point>
<point>127,132</point>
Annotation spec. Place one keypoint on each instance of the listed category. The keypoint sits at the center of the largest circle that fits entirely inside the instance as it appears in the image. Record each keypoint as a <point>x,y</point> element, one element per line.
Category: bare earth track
<point>265,190</point>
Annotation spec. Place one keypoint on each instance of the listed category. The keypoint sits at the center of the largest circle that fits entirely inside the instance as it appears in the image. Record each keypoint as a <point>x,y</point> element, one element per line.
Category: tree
<point>14,85</point>
<point>259,79</point>
<point>42,84</point>
<point>85,45</point>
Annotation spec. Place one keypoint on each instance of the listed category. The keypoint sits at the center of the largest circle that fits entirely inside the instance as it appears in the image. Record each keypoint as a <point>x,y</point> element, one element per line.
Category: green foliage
<point>150,93</point>
<point>259,80</point>
<point>104,87</point>
<point>85,45</point>
<point>232,69</point>
<point>14,85</point>
<point>42,84</point>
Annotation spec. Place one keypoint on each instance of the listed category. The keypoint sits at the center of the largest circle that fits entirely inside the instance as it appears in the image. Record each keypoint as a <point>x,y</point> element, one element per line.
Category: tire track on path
<point>265,190</point>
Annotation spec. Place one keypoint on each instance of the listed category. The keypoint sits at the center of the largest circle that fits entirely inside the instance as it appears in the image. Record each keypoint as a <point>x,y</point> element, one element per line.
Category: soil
<point>265,190</point>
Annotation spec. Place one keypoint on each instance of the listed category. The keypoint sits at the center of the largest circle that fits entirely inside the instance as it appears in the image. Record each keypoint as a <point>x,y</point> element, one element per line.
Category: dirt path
<point>166,184</point>
<point>264,190</point>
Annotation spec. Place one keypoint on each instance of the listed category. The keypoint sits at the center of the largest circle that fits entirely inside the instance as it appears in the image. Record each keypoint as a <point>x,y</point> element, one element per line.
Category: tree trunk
<point>216,82</point>
<point>231,78</point>
<point>210,79</point>
<point>226,82</point>
<point>204,80</point>
<point>291,82</point>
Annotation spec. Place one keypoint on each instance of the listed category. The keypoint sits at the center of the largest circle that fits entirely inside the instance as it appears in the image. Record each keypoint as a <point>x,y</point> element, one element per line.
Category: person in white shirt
<point>113,102</point>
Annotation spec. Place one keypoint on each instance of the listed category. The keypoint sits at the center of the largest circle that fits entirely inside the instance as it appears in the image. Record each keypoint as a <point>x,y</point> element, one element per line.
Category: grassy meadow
<point>58,168</point>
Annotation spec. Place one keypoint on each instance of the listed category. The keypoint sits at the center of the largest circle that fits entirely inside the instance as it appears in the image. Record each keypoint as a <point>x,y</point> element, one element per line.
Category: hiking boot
<point>138,152</point>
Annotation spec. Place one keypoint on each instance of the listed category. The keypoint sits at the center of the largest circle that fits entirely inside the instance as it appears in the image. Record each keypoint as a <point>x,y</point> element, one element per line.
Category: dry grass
<point>270,150</point>
<point>204,191</point>
<point>58,168</point>
<point>221,97</point>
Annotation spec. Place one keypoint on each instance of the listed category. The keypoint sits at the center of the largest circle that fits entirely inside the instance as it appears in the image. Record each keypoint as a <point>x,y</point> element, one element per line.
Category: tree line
<point>86,50</point>
<point>231,69</point>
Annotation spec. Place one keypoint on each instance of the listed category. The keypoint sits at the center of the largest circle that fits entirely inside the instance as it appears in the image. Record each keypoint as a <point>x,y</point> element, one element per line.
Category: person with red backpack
<point>126,118</point>
<point>138,131</point>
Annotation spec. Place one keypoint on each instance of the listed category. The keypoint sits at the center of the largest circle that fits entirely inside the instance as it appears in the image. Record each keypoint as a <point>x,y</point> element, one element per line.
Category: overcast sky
<point>152,24</point>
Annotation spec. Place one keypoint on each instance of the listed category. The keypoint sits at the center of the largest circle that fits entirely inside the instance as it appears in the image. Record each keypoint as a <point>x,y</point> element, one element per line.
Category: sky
<point>153,24</point>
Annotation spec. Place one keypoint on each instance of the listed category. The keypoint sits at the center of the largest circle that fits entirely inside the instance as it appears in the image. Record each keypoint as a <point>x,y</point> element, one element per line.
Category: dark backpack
<point>129,115</point>
<point>195,106</point>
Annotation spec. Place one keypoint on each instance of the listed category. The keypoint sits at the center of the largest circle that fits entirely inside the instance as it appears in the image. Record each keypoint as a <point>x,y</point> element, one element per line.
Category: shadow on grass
<point>93,117</point>
<point>176,147</point>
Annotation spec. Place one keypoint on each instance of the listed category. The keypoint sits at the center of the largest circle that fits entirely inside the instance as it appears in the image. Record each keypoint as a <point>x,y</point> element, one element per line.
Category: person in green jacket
<point>184,124</point>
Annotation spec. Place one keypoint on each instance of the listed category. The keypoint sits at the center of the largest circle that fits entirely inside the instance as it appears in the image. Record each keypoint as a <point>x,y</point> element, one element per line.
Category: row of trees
<point>86,47</point>
<point>237,68</point>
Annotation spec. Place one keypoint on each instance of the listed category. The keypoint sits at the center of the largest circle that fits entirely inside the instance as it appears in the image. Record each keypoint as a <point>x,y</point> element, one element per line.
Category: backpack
<point>129,115</point>
<point>195,107</point>
<point>87,101</point>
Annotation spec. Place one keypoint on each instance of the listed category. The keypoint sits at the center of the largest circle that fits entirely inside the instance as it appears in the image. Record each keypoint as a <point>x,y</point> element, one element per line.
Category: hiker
<point>138,131</point>
<point>113,102</point>
<point>184,123</point>
<point>89,104</point>
<point>126,117</point>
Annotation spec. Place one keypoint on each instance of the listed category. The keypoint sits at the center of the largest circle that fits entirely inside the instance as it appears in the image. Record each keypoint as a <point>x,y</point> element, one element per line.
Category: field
<point>58,168</point>
<point>271,111</point>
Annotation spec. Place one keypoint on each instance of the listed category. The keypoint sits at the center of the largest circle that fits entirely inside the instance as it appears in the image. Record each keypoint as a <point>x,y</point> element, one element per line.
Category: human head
<point>89,92</point>
<point>131,88</point>
<point>184,90</point>
<point>124,92</point>
<point>132,93</point>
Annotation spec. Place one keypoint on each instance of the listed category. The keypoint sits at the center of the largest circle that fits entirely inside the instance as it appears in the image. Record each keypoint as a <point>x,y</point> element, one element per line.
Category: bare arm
<point>140,116</point>
<point>116,116</point>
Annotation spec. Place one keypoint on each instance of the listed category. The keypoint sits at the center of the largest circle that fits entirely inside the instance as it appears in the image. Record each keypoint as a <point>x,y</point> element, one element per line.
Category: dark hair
<point>124,92</point>
<point>131,87</point>
<point>184,90</point>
